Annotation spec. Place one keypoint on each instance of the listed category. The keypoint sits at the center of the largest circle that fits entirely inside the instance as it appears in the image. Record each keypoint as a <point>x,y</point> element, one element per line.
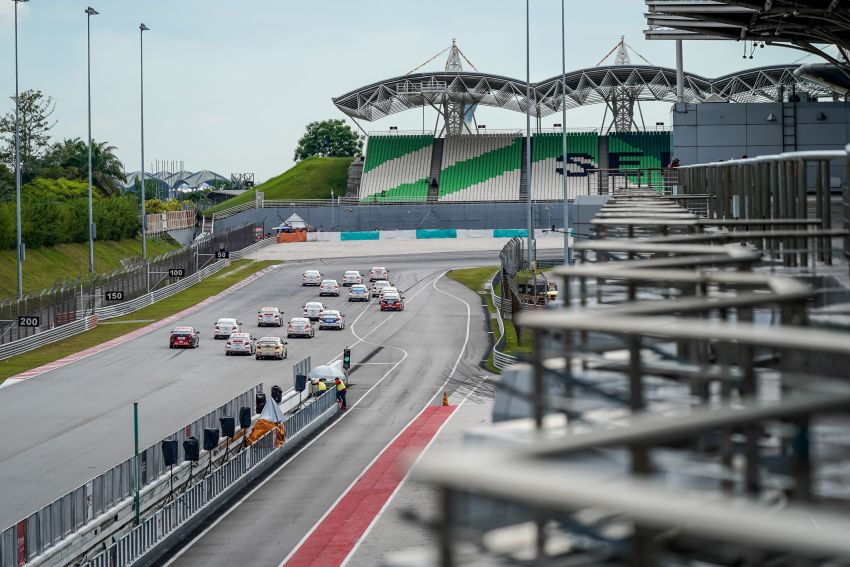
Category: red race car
<point>392,302</point>
<point>184,337</point>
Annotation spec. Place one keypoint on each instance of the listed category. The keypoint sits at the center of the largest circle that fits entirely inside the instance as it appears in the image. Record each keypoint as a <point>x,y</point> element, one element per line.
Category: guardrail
<point>53,529</point>
<point>59,333</point>
<point>145,538</point>
<point>239,254</point>
<point>500,359</point>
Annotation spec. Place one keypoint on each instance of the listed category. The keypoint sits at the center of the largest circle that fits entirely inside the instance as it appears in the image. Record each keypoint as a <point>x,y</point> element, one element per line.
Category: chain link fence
<point>69,301</point>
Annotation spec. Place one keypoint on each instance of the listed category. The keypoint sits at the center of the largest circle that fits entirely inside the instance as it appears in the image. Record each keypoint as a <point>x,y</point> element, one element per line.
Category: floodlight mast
<point>89,13</point>
<point>142,29</point>
<point>20,246</point>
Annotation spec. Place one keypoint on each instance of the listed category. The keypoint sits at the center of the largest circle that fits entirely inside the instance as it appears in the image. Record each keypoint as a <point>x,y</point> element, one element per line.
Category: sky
<point>231,84</point>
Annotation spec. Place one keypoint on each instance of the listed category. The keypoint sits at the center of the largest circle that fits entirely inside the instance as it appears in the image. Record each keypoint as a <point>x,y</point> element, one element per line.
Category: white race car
<point>352,277</point>
<point>225,326</point>
<point>379,286</point>
<point>329,287</point>
<point>332,320</point>
<point>300,327</point>
<point>269,316</point>
<point>379,273</point>
<point>240,343</point>
<point>358,292</point>
<point>312,277</point>
<point>313,310</point>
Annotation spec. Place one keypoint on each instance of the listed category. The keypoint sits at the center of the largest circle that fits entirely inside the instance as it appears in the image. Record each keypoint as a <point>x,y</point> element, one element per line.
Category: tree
<point>69,159</point>
<point>329,138</point>
<point>7,184</point>
<point>36,110</point>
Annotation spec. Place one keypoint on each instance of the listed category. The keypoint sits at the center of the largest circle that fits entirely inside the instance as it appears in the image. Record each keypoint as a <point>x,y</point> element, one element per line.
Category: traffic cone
<point>445,398</point>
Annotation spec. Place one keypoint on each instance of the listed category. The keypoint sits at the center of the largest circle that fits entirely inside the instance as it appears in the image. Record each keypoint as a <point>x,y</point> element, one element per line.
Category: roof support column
<point>680,73</point>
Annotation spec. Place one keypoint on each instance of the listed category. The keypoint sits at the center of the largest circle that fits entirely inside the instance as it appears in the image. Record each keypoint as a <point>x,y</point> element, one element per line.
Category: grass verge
<point>44,266</point>
<point>237,271</point>
<point>474,279</point>
<point>313,178</point>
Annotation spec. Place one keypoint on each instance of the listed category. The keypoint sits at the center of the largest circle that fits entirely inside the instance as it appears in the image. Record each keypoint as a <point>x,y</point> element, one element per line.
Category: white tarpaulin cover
<point>295,221</point>
<point>272,412</point>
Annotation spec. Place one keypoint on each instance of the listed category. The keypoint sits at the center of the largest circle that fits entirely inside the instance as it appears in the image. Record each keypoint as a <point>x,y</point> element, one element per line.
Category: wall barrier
<point>421,234</point>
<point>55,527</point>
<point>365,235</point>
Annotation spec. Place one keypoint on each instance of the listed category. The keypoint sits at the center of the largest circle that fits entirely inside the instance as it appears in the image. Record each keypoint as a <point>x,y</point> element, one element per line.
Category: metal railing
<point>51,524</point>
<point>500,359</point>
<point>68,301</point>
<point>141,539</point>
<point>694,390</point>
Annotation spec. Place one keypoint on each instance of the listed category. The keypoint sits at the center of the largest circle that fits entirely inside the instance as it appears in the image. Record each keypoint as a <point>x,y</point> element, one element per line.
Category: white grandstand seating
<point>481,168</point>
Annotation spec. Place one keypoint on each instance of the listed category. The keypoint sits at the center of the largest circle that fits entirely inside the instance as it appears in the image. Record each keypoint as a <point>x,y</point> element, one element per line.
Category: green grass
<point>474,279</point>
<point>43,266</point>
<point>238,270</point>
<point>313,178</point>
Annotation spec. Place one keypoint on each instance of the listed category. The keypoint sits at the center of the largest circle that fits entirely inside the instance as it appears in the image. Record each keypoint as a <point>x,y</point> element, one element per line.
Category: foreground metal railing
<point>686,408</point>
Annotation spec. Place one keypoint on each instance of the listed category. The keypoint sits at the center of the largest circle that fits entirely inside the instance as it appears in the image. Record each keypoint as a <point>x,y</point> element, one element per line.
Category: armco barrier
<point>147,542</point>
<point>239,254</point>
<point>45,338</point>
<point>500,359</point>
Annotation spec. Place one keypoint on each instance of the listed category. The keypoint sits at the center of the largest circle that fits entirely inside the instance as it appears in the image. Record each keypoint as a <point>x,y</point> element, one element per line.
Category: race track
<point>74,422</point>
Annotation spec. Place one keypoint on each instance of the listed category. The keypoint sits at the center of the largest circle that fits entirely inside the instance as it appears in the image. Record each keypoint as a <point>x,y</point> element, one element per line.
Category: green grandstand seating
<point>484,167</point>
<point>640,150</point>
<point>547,147</point>
<point>397,168</point>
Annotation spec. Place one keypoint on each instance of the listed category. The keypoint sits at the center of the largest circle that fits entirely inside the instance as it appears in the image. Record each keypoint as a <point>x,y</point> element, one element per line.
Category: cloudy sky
<point>230,84</point>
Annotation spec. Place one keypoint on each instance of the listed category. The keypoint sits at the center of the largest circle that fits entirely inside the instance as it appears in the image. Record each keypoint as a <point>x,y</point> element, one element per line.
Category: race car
<point>270,316</point>
<point>184,337</point>
<point>332,320</point>
<point>240,343</point>
<point>358,292</point>
<point>379,286</point>
<point>300,327</point>
<point>313,310</point>
<point>312,277</point>
<point>329,287</point>
<point>271,347</point>
<point>388,291</point>
<point>392,302</point>
<point>378,273</point>
<point>351,277</point>
<point>225,326</point>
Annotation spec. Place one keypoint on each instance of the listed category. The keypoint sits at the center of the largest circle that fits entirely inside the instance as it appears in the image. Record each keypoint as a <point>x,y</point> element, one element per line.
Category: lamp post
<point>532,256</point>
<point>142,29</point>
<point>20,247</point>
<point>89,13</point>
<point>564,134</point>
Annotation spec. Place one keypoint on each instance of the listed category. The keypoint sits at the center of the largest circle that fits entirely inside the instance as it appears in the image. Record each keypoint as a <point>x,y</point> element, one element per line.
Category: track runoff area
<point>322,500</point>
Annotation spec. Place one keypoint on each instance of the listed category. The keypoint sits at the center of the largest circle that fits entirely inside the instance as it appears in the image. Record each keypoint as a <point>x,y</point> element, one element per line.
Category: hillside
<point>313,178</point>
<point>45,265</point>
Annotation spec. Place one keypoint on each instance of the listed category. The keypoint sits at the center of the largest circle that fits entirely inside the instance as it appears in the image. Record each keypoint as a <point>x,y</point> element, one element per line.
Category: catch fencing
<point>37,533</point>
<point>67,302</point>
<point>154,529</point>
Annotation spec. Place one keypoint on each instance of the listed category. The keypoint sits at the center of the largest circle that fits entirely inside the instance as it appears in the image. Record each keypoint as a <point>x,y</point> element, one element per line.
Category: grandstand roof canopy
<point>173,180</point>
<point>801,24</point>
<point>594,85</point>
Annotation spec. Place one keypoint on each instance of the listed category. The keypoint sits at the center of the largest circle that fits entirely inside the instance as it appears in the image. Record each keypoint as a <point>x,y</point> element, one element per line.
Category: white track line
<point>305,447</point>
<point>386,505</point>
<point>387,446</point>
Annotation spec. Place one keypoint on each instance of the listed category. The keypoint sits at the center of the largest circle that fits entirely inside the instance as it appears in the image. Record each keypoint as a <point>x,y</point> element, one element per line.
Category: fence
<point>166,519</point>
<point>500,359</point>
<point>172,220</point>
<point>36,533</point>
<point>67,301</point>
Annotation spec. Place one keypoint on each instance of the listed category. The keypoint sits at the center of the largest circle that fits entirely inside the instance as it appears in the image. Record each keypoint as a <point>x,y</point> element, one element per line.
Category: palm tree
<point>70,156</point>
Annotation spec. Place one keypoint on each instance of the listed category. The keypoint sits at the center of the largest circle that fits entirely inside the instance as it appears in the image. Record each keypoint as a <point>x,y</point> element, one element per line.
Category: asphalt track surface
<point>428,339</point>
<point>72,423</point>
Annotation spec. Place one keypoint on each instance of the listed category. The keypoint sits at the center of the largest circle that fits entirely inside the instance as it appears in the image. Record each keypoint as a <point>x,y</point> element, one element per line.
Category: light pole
<point>532,256</point>
<point>20,246</point>
<point>564,134</point>
<point>89,13</point>
<point>142,29</point>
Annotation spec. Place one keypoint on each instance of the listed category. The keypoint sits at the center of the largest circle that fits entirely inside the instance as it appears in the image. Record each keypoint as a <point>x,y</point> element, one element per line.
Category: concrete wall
<point>358,218</point>
<point>721,131</point>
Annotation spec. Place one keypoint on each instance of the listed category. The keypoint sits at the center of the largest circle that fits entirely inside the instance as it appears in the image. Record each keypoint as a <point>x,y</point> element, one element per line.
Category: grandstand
<point>640,150</point>
<point>397,168</point>
<point>481,168</point>
<point>546,151</point>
